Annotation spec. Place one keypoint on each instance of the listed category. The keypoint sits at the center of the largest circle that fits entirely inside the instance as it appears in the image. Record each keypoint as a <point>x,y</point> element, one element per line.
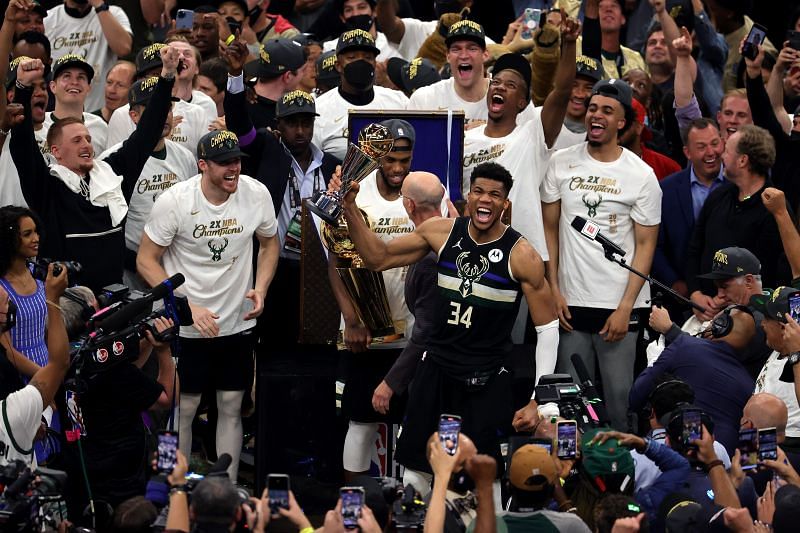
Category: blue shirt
<point>700,192</point>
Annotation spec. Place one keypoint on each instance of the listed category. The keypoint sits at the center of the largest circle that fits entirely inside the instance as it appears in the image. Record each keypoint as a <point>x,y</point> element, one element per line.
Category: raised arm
<point>668,25</point>
<point>390,24</point>
<point>555,105</point>
<point>775,202</point>
<point>15,7</point>
<point>130,159</point>
<point>685,69</point>
<point>402,251</point>
<point>35,179</point>
<point>713,45</point>
<point>118,38</point>
<point>762,105</point>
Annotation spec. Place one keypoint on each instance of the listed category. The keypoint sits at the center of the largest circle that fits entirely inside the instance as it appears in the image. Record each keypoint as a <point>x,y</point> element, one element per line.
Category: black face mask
<point>446,6</point>
<point>359,22</point>
<point>360,74</point>
<point>11,317</point>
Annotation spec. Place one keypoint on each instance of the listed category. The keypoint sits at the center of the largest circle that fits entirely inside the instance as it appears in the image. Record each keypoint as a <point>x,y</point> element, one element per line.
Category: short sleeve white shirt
<point>330,128</point>
<point>524,153</point>
<point>24,410</point>
<point>769,381</point>
<point>84,37</point>
<point>212,245</point>
<point>613,195</point>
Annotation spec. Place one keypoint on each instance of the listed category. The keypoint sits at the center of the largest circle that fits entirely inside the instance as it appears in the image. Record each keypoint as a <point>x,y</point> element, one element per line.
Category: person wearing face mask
<point>360,15</point>
<point>93,30</point>
<point>355,61</point>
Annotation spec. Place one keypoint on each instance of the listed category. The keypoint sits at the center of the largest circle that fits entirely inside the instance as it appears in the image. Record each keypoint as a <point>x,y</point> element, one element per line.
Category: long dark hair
<point>10,216</point>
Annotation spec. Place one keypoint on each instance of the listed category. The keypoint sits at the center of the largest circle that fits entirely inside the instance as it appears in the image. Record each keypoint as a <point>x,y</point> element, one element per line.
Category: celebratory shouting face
<point>486,202</point>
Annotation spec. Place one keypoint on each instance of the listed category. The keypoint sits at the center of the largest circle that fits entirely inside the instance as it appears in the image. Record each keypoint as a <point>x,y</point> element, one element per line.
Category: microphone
<point>220,468</point>
<point>590,230</point>
<point>591,392</point>
<point>136,307</point>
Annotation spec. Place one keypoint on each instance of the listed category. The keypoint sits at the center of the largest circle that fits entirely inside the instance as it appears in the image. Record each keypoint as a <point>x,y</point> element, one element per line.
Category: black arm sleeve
<point>130,159</point>
<point>237,119</point>
<point>761,108</point>
<point>34,173</point>
<point>590,46</point>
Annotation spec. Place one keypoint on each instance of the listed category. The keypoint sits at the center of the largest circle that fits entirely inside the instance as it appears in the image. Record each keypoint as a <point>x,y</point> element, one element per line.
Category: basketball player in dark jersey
<point>484,268</point>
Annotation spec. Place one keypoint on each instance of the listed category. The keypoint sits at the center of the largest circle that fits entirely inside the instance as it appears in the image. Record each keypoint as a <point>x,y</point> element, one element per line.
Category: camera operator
<point>111,402</point>
<point>216,505</point>
<point>22,410</point>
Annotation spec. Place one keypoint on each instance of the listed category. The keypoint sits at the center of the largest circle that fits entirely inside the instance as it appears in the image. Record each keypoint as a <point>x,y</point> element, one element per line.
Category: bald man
<point>712,367</point>
<point>765,410</point>
<point>422,194</point>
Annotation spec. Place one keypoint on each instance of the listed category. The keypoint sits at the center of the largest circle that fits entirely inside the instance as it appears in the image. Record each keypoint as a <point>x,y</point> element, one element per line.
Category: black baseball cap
<point>142,90</point>
<point>411,75</point>
<point>400,129</point>
<point>514,62</point>
<point>773,303</point>
<point>69,61</point>
<point>588,67</point>
<point>39,8</point>
<point>278,56</point>
<point>465,30</point>
<point>615,88</point>
<point>149,58</point>
<point>326,69</point>
<point>356,39</point>
<point>295,103</point>
<point>219,146</point>
<point>732,262</point>
<point>11,77</point>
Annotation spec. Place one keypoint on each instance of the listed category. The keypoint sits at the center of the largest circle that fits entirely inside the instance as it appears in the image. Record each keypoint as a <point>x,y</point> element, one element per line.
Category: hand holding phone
<point>352,502</point>
<point>530,21</point>
<point>768,444</point>
<point>692,426</point>
<point>449,429</point>
<point>748,448</point>
<point>567,439</point>
<point>755,38</point>
<point>278,489</point>
<point>167,451</point>
<point>184,19</point>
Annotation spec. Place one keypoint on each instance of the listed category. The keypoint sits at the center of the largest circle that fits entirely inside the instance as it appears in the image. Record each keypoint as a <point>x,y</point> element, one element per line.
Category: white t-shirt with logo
<point>330,128</point>
<point>389,220</point>
<point>84,37</point>
<point>193,126</point>
<point>24,410</point>
<point>97,127</point>
<point>524,153</point>
<point>212,245</point>
<point>769,381</point>
<point>613,195</point>
<point>199,98</point>
<point>387,49</point>
<point>157,176</point>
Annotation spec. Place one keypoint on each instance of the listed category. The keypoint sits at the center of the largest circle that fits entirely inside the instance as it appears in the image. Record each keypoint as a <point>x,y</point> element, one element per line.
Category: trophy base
<point>326,207</point>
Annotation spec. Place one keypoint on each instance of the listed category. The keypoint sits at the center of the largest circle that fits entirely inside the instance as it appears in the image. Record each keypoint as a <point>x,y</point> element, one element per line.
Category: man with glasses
<point>204,228</point>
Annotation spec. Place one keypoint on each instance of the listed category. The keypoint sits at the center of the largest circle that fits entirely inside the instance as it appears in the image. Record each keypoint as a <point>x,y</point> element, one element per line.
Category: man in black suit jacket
<point>684,194</point>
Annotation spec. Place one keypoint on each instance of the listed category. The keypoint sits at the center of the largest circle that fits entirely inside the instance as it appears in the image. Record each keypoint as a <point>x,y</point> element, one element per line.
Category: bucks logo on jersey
<point>470,271</point>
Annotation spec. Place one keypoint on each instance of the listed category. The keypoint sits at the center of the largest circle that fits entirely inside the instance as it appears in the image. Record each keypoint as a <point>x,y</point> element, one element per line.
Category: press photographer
<point>103,404</point>
<point>22,410</point>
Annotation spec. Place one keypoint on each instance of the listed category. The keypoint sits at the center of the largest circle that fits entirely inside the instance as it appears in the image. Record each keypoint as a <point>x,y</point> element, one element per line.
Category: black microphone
<point>19,485</point>
<point>136,307</point>
<point>591,392</point>
<point>220,468</point>
<point>590,230</point>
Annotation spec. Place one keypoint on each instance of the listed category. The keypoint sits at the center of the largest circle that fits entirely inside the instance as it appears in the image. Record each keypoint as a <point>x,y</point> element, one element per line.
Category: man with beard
<point>366,364</point>
<point>598,302</point>
<point>93,30</point>
<point>360,15</point>
<point>293,169</point>
<point>81,198</point>
<point>484,269</point>
<point>355,61</point>
<point>168,164</point>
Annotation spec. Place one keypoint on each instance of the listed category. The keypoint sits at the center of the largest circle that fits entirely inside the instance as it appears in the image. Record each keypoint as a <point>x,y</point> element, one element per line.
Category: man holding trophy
<point>484,268</point>
<point>374,334</point>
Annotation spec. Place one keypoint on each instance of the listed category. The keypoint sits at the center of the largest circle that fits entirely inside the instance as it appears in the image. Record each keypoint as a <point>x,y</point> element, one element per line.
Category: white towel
<point>105,187</point>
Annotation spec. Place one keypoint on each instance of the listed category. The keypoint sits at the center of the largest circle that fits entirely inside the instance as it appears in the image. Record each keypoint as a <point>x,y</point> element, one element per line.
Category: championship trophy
<point>365,287</point>
<point>374,141</point>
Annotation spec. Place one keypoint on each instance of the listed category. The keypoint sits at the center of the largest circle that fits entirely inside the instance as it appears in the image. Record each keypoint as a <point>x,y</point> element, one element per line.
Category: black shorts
<point>485,412</point>
<point>361,373</point>
<point>219,363</point>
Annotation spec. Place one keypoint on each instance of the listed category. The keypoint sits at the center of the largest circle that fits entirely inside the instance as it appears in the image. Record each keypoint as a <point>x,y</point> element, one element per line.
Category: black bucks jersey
<point>479,300</point>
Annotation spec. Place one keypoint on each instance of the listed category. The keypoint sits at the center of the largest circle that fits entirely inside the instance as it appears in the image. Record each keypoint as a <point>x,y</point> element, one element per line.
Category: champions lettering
<point>484,155</point>
<point>720,257</point>
<point>413,67</point>
<point>329,63</point>
<point>594,183</point>
<point>159,182</point>
<point>223,136</point>
<point>149,83</point>
<point>356,35</point>
<point>74,40</point>
<point>391,230</point>
<point>217,228</point>
<point>297,94</point>
<point>151,51</point>
<point>264,55</point>
<point>465,24</point>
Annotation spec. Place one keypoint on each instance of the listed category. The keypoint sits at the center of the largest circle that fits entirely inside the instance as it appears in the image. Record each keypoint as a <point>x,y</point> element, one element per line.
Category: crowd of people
<point>171,140</point>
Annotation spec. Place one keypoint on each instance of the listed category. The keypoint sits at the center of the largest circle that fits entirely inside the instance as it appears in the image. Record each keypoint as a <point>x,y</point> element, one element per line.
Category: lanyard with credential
<point>294,187</point>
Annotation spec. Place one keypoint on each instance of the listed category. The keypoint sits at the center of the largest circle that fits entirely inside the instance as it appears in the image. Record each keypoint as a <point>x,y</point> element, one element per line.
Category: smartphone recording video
<point>352,502</point>
<point>278,488</point>
<point>692,426</point>
<point>748,448</point>
<point>756,37</point>
<point>449,429</point>
<point>167,451</point>
<point>767,444</point>
<point>567,439</point>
